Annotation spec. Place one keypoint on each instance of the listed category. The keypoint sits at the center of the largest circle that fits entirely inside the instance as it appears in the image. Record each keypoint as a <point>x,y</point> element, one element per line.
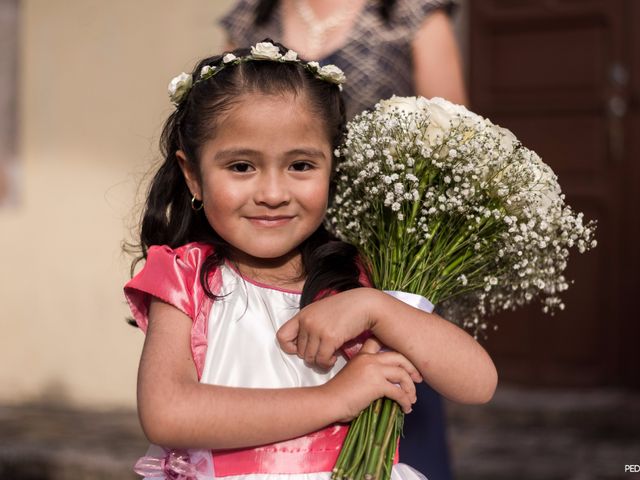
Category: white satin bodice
<point>243,350</point>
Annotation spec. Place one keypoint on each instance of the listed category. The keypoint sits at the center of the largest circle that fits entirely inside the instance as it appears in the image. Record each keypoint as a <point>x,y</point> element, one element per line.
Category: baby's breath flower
<point>433,172</point>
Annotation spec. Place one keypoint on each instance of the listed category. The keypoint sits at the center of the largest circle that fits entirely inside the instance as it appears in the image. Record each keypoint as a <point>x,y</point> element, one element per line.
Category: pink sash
<point>316,452</point>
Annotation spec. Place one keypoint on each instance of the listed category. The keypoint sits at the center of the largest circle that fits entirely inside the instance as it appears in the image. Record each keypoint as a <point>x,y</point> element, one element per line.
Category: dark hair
<point>265,8</point>
<point>168,219</point>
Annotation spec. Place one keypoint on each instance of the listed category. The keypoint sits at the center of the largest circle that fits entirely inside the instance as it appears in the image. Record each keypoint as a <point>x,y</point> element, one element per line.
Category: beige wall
<point>92,98</point>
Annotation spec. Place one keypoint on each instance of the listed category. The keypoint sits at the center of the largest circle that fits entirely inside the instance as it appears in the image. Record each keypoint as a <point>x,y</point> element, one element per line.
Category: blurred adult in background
<point>385,48</point>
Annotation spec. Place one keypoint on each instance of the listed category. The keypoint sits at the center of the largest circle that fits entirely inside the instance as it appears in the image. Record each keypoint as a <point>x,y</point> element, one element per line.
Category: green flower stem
<point>360,472</point>
<point>456,243</point>
<point>378,443</point>
<point>388,434</point>
<point>418,258</point>
<point>371,433</point>
<point>359,437</point>
<point>452,266</point>
<point>424,182</point>
<point>345,451</point>
<point>356,444</point>
<point>391,449</point>
<point>361,445</point>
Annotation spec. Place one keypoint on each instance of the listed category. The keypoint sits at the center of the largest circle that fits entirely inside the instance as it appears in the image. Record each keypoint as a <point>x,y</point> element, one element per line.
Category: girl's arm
<point>447,357</point>
<point>177,411</point>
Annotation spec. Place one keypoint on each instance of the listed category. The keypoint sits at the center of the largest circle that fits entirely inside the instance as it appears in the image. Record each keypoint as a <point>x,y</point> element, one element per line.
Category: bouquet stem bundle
<point>369,448</point>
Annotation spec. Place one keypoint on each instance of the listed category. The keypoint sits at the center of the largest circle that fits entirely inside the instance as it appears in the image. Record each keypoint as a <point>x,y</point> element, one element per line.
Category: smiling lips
<point>270,221</point>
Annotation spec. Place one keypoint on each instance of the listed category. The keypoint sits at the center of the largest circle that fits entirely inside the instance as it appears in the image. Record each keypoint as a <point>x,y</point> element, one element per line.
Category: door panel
<point>558,74</point>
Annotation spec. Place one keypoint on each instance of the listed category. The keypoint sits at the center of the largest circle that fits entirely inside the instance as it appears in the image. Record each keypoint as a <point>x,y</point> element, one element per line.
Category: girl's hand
<point>371,375</point>
<point>320,329</point>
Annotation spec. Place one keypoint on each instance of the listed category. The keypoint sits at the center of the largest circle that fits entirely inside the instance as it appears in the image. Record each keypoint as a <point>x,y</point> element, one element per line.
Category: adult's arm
<point>437,61</point>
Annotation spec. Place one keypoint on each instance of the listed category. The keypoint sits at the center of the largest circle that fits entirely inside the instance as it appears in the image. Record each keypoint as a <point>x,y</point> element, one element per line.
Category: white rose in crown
<point>332,74</point>
<point>179,87</point>
<point>313,66</point>
<point>228,58</point>
<point>290,56</point>
<point>207,71</point>
<point>265,51</point>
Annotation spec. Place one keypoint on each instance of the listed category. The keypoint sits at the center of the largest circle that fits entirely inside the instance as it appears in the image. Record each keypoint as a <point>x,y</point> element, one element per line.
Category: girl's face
<point>264,177</point>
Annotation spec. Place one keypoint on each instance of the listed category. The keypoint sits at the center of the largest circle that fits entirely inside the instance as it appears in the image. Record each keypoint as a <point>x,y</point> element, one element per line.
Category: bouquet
<point>444,204</point>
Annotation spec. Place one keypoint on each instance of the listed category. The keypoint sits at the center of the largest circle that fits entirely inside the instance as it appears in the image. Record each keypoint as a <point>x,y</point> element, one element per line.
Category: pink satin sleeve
<point>173,276</point>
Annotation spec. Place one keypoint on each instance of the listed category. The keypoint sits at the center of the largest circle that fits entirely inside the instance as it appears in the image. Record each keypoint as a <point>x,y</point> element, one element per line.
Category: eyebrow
<point>222,155</point>
<point>306,152</point>
<point>235,152</point>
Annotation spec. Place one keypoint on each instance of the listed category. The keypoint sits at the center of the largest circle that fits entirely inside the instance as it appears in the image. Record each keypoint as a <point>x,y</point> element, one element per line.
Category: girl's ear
<point>190,174</point>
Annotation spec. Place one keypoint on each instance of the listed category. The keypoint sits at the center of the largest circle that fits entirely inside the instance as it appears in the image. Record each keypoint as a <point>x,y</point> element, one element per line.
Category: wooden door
<point>563,76</point>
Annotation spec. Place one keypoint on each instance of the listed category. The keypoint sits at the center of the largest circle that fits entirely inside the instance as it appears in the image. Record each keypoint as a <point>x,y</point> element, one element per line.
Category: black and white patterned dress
<point>376,57</point>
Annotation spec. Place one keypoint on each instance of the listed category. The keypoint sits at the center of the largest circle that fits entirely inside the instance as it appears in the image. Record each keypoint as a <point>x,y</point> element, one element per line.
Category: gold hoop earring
<point>196,207</point>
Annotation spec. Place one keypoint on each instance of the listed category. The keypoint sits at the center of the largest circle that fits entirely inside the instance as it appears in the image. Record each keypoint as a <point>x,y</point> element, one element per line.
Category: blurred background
<point>82,101</point>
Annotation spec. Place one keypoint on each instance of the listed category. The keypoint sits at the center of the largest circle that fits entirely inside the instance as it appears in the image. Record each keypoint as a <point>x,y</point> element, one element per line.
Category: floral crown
<point>180,86</point>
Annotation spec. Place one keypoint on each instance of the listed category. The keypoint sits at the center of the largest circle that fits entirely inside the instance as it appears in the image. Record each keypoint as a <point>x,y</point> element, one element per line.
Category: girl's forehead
<point>270,123</point>
<point>257,115</point>
<point>258,100</point>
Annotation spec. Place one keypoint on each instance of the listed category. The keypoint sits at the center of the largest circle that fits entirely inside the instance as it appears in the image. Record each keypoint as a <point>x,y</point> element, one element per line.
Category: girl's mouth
<point>270,221</point>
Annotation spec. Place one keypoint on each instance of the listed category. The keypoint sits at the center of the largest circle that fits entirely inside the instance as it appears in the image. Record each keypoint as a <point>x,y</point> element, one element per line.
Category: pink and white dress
<point>233,342</point>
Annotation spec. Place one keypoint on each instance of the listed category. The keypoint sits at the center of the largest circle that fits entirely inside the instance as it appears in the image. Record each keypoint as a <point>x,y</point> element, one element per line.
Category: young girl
<point>248,302</point>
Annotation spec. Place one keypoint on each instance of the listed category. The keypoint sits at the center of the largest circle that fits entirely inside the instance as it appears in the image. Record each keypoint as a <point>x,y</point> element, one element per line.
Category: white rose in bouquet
<point>440,122</point>
<point>414,108</point>
<point>508,140</point>
<point>401,104</point>
<point>457,112</point>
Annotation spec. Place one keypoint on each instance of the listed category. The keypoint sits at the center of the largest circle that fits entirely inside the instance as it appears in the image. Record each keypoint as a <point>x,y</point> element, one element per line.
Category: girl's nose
<point>272,190</point>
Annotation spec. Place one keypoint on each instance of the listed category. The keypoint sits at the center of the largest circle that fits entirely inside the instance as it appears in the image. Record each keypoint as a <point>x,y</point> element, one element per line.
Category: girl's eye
<point>240,167</point>
<point>301,166</point>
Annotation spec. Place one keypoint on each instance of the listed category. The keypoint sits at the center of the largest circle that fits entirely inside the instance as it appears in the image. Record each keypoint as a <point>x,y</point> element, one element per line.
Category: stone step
<point>522,434</point>
<point>39,442</point>
<point>546,435</point>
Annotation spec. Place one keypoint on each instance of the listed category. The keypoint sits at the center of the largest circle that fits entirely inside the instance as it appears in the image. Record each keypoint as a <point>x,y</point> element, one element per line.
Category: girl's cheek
<point>318,195</point>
